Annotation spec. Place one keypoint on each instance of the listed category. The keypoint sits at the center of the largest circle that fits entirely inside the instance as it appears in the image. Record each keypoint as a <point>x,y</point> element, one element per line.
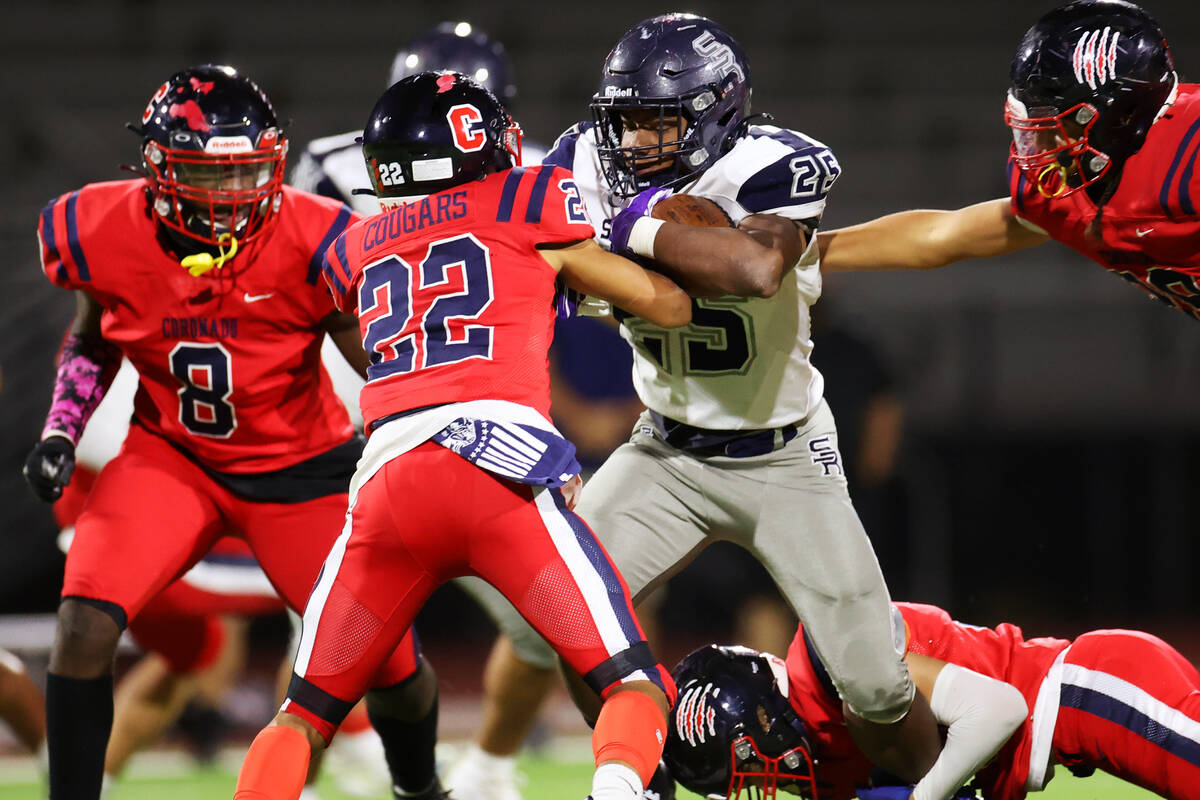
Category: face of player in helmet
<point>230,192</point>
<point>212,196</point>
<point>1053,147</point>
<point>650,138</point>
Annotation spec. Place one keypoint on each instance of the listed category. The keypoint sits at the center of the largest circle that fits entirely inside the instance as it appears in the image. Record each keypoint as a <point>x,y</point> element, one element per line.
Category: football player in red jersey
<point>454,287</point>
<point>205,274</point>
<point>1103,160</point>
<point>1121,701</point>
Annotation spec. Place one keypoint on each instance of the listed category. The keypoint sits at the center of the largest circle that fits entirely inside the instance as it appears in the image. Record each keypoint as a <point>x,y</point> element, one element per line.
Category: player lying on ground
<point>1124,702</point>
<point>1103,160</point>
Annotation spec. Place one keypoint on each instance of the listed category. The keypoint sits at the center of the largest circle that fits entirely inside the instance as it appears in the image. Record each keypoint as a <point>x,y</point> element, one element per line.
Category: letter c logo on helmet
<point>466,121</point>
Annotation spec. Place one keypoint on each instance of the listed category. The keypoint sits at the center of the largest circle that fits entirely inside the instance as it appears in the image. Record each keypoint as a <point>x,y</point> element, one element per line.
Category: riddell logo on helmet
<point>1095,57</point>
<point>228,144</point>
<point>618,91</point>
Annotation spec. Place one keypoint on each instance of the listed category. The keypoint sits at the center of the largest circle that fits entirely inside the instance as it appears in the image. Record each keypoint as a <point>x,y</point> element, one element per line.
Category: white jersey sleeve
<point>333,166</point>
<point>742,363</point>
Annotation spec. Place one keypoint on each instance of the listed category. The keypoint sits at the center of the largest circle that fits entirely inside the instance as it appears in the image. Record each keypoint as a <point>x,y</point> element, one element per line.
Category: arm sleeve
<point>980,714</point>
<point>86,368</point>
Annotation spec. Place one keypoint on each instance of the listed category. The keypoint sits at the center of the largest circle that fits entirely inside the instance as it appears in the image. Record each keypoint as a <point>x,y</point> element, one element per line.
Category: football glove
<point>49,466</point>
<point>622,223</point>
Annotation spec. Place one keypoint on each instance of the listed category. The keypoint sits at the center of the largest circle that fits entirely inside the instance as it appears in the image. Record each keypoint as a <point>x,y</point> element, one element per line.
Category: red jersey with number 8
<point>229,362</point>
<point>454,300</point>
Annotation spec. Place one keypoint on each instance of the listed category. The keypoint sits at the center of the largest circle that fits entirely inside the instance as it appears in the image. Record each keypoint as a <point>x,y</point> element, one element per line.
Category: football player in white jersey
<point>521,660</point>
<point>738,442</point>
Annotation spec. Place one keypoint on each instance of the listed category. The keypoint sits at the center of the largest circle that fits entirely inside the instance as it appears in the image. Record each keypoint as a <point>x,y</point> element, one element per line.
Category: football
<point>689,210</point>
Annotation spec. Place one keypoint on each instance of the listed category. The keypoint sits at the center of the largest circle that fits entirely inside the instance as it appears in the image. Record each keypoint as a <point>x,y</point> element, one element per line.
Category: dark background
<point>1053,432</point>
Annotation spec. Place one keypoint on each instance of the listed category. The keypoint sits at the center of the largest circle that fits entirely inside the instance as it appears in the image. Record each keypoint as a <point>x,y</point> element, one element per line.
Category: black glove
<point>49,466</point>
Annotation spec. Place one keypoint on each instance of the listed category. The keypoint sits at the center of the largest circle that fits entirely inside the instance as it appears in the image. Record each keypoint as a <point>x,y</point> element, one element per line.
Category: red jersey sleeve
<point>556,207</point>
<point>337,274</point>
<point>60,243</point>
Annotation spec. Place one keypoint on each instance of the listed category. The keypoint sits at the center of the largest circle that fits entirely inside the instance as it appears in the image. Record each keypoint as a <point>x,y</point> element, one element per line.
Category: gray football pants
<point>654,508</point>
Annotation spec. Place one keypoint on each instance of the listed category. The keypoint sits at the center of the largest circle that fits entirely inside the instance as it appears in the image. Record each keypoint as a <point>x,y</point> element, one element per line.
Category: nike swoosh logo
<point>254,298</point>
<point>1140,233</point>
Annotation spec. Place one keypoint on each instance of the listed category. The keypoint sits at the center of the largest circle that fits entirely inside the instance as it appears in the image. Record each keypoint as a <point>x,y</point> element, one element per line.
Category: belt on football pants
<point>706,442</point>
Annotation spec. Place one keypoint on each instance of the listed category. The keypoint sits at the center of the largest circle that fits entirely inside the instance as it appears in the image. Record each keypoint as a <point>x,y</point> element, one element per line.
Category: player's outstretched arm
<point>589,268</point>
<point>980,714</point>
<point>343,330</point>
<point>925,239</point>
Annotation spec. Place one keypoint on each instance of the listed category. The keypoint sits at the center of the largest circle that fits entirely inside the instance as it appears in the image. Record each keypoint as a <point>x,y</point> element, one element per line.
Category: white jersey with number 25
<point>742,363</point>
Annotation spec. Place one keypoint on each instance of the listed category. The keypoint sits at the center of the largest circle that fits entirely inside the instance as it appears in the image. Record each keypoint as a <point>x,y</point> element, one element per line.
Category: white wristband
<point>642,234</point>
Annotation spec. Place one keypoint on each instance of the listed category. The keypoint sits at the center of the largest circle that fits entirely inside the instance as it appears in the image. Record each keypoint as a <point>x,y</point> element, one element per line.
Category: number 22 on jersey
<point>413,319</point>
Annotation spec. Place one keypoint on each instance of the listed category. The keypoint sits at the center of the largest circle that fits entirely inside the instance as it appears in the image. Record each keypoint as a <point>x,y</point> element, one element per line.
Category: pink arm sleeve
<point>86,367</point>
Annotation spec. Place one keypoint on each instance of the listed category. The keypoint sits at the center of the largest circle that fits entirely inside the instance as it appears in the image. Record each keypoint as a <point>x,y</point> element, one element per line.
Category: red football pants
<point>152,514</point>
<point>428,516</point>
<point>1130,705</point>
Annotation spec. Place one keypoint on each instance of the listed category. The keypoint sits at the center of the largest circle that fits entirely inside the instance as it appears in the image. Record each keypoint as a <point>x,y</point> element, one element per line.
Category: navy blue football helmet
<point>459,47</point>
<point>1088,81</point>
<point>436,130</point>
<point>214,153</point>
<point>684,68</point>
<point>733,730</point>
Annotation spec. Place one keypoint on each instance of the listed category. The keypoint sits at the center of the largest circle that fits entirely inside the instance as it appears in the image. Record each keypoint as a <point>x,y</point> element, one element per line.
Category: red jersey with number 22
<point>1148,231</point>
<point>229,362</point>
<point>454,300</point>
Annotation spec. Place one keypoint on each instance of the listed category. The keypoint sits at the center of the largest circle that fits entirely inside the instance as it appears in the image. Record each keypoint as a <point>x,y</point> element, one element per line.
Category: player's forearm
<point>906,240</point>
<point>87,365</point>
<point>657,299</point>
<point>924,239</point>
<point>980,714</point>
<point>714,262</point>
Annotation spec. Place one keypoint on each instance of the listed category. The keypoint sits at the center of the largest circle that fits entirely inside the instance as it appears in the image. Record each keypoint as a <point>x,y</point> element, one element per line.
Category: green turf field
<point>546,779</point>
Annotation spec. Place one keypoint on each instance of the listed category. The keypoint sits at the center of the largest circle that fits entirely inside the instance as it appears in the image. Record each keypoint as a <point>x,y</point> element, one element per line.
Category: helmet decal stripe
<point>1095,57</point>
<point>1112,55</point>
<point>190,110</point>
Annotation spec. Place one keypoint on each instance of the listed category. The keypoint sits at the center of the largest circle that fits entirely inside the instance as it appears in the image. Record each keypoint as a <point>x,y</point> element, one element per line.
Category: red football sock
<point>275,766</point>
<point>632,729</point>
<point>357,720</point>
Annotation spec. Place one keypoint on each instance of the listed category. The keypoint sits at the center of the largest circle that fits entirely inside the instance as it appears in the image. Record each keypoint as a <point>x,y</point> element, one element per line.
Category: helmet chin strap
<point>199,263</point>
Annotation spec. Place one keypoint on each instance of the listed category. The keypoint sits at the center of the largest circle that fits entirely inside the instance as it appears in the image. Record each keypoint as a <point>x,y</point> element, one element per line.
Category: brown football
<point>689,210</point>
